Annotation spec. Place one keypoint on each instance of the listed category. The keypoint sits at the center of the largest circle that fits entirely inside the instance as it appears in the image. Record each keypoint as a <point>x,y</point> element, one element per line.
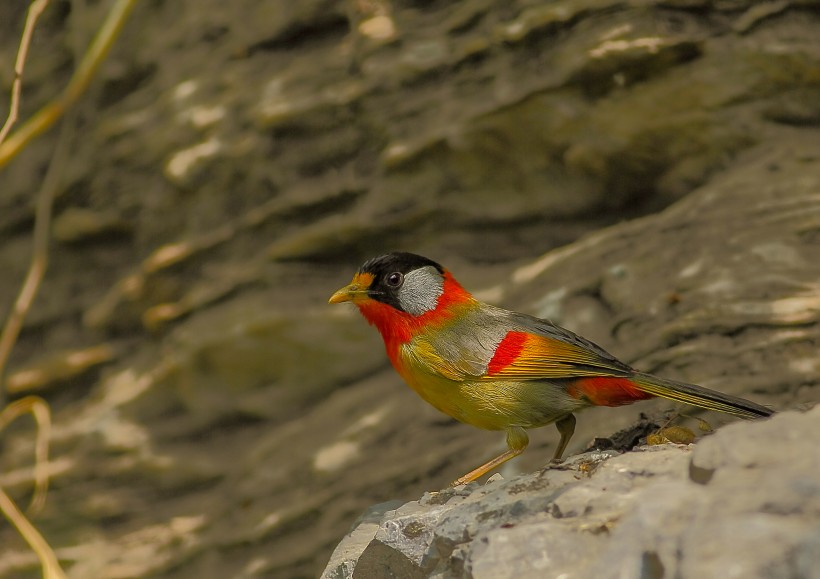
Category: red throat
<point>397,327</point>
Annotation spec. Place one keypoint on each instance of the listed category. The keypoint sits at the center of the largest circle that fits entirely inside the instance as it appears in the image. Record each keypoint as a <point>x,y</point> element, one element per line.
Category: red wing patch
<point>528,356</point>
<point>507,352</point>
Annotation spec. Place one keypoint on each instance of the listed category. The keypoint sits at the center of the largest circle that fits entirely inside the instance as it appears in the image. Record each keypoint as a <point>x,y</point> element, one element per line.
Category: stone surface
<point>640,514</point>
<point>234,162</point>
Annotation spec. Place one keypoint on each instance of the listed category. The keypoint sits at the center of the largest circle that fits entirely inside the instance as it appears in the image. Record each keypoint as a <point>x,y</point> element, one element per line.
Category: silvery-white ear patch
<point>420,291</point>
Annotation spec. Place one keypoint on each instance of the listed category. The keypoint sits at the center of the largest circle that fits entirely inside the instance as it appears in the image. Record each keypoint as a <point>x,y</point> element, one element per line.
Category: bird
<point>498,369</point>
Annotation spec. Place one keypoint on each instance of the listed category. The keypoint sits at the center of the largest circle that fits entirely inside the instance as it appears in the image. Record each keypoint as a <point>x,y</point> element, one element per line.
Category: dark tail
<point>699,396</point>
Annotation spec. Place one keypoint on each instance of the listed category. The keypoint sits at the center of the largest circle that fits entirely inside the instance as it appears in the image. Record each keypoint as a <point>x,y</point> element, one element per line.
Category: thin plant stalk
<point>49,114</point>
<point>34,10</point>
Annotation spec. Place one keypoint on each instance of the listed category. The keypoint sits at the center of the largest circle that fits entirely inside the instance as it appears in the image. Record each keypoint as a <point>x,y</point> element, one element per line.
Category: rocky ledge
<point>744,502</point>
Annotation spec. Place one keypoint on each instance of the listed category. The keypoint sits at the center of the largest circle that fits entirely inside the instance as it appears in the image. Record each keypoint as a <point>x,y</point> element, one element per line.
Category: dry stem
<point>48,115</point>
<point>11,330</point>
<point>39,258</point>
<point>51,567</point>
<point>33,404</point>
<point>33,14</point>
<point>39,411</point>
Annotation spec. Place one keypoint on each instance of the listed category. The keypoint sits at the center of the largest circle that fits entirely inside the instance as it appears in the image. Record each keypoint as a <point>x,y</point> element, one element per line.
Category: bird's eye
<point>394,279</point>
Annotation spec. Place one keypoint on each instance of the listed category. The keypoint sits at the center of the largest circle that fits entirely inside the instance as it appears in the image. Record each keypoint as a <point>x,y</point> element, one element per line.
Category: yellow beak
<point>356,291</point>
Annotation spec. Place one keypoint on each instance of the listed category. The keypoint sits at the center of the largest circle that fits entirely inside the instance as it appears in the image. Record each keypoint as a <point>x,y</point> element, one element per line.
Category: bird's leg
<point>566,426</point>
<point>517,441</point>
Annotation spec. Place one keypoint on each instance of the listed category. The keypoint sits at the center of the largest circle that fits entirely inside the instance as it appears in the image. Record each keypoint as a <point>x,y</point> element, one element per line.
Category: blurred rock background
<point>233,163</point>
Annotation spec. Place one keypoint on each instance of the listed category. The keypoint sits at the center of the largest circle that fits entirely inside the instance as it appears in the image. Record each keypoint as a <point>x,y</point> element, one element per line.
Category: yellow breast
<point>487,404</point>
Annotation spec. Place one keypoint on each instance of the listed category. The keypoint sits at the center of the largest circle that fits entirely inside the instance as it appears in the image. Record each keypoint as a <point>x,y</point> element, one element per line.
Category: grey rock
<point>638,514</point>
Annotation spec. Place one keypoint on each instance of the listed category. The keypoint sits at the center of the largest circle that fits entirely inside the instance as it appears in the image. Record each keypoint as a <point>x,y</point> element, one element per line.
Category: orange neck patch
<point>397,327</point>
